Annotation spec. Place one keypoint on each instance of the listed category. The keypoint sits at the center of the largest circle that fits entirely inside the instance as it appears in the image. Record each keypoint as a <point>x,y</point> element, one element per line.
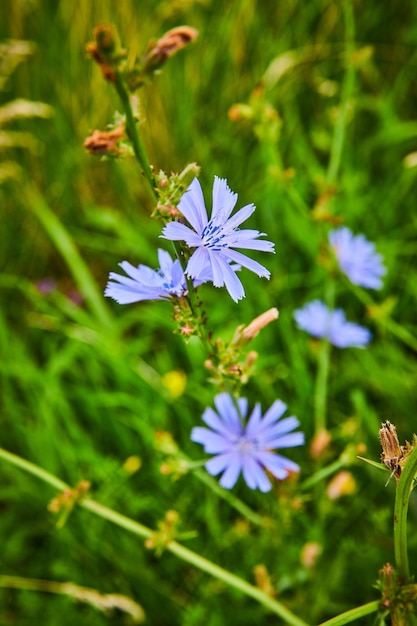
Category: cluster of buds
<point>228,361</point>
<point>174,465</point>
<point>65,501</point>
<point>169,190</point>
<point>188,321</point>
<point>259,114</point>
<point>106,51</point>
<point>167,532</point>
<point>399,600</point>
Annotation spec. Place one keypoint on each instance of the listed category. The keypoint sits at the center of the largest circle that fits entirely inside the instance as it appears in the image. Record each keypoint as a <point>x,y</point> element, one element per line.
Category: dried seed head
<point>392,453</point>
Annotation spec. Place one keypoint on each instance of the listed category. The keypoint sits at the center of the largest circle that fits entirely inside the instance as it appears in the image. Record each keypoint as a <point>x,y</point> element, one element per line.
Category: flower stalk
<point>354,614</point>
<point>174,547</point>
<point>402,498</point>
<point>132,130</point>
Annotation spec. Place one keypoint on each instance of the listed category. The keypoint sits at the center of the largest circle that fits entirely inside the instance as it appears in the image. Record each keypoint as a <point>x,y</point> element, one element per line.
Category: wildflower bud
<point>172,517</point>
<point>310,552</point>
<point>82,487</point>
<point>259,323</point>
<point>342,484</point>
<point>63,501</point>
<point>132,464</point>
<point>167,531</point>
<point>105,38</point>
<point>187,330</point>
<point>390,585</point>
<point>105,142</point>
<point>104,50</point>
<point>240,112</point>
<point>163,183</point>
<point>164,442</point>
<point>159,51</point>
<point>263,580</point>
<point>320,443</point>
<point>190,171</point>
<point>165,469</point>
<point>209,365</point>
<point>251,359</point>
<point>175,382</point>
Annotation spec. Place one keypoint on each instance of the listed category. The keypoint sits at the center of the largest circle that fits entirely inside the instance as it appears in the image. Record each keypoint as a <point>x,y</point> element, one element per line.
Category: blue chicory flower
<point>144,283</point>
<point>319,321</point>
<point>357,258</point>
<point>242,446</point>
<point>215,238</point>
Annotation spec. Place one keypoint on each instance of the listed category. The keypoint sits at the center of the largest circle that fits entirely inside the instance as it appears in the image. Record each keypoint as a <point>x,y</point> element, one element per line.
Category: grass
<point>82,385</point>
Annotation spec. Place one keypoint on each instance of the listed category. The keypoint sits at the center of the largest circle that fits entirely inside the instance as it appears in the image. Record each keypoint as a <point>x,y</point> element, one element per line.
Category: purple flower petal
<point>145,283</point>
<point>317,320</point>
<point>242,445</point>
<point>215,239</point>
<point>357,258</point>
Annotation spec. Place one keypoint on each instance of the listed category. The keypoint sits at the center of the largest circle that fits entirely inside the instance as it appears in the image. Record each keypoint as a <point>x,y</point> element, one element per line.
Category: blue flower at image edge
<point>242,446</point>
<point>215,238</point>
<point>317,320</point>
<point>357,258</point>
<point>144,283</point>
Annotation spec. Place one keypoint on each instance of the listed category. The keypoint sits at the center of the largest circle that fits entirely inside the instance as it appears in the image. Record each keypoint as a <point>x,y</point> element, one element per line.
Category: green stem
<point>322,474</point>
<point>142,158</point>
<point>347,91</point>
<point>353,614</point>
<point>320,394</point>
<point>132,130</point>
<point>402,497</point>
<point>180,551</point>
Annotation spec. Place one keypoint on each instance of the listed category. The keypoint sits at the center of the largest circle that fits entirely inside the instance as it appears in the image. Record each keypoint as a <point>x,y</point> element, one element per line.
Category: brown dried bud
<point>167,45</point>
<point>105,142</point>
<point>105,38</point>
<point>392,452</point>
<point>103,49</point>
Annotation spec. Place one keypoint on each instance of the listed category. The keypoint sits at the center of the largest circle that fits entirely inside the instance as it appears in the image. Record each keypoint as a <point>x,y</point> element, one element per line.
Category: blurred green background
<point>83,380</point>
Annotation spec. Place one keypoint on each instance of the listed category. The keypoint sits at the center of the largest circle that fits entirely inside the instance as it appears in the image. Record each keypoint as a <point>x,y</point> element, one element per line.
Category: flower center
<point>245,446</point>
<point>212,236</point>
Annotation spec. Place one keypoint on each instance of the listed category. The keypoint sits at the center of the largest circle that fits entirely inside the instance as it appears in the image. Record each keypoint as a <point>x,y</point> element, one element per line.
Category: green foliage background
<point>82,386</point>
